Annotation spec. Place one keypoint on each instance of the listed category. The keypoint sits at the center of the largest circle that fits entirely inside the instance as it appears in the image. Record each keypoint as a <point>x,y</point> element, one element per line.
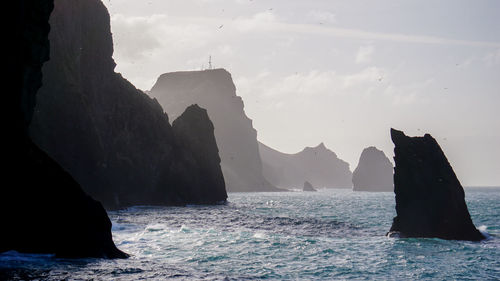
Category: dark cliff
<point>195,132</point>
<point>235,135</point>
<point>318,165</point>
<point>374,172</point>
<point>429,198</point>
<point>42,209</point>
<point>112,138</point>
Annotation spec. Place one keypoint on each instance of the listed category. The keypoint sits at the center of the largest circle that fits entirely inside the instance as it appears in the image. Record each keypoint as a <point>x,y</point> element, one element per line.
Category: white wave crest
<point>482,229</point>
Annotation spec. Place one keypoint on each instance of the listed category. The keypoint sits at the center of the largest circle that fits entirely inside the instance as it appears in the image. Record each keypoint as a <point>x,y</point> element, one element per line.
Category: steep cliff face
<point>42,209</point>
<point>374,172</point>
<point>195,132</point>
<point>429,198</point>
<point>236,137</point>
<point>115,140</point>
<point>317,165</point>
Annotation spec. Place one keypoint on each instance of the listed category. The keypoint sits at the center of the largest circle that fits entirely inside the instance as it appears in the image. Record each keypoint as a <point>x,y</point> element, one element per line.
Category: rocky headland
<point>234,132</point>
<point>42,208</point>
<point>115,140</point>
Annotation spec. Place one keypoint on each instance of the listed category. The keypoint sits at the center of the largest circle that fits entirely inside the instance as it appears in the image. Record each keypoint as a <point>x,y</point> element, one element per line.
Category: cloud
<point>260,21</point>
<point>268,21</point>
<point>364,54</point>
<point>370,85</point>
<point>367,75</point>
<point>493,58</point>
<point>321,17</point>
<point>313,84</point>
<point>225,50</point>
<point>136,36</point>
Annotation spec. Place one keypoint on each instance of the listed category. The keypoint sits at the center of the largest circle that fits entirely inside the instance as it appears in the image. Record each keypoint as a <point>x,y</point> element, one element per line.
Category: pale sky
<point>338,72</point>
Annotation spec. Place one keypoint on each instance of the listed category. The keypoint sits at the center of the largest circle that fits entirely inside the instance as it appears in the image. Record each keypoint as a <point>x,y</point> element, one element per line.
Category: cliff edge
<point>112,138</point>
<point>236,138</point>
<point>42,209</point>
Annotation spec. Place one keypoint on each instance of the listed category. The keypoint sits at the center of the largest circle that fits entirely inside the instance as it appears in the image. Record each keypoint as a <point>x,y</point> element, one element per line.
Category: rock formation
<point>308,187</point>
<point>195,132</point>
<point>374,172</point>
<point>112,138</point>
<point>235,135</point>
<point>42,209</point>
<point>317,165</point>
<point>429,198</point>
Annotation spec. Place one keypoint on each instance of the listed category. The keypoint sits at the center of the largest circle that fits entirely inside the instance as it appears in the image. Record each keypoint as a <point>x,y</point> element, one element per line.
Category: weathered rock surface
<point>374,172</point>
<point>318,165</point>
<point>195,133</point>
<point>42,209</point>
<point>429,198</point>
<point>112,138</point>
<point>235,135</point>
<point>308,187</point>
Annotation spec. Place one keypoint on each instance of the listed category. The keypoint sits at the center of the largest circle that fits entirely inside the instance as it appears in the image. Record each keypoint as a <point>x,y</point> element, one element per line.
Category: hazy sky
<point>338,72</point>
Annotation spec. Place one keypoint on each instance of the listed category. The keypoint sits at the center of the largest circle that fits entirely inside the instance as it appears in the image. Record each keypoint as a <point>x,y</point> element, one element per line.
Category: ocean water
<point>325,235</point>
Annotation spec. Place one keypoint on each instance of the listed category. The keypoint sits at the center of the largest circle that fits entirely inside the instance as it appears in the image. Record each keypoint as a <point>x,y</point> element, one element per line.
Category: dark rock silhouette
<point>42,209</point>
<point>308,187</point>
<point>317,165</point>
<point>195,132</point>
<point>374,172</point>
<point>429,198</point>
<point>235,135</point>
<point>112,138</point>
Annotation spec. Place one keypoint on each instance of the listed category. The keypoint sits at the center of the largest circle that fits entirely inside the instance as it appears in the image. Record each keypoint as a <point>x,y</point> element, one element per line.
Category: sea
<point>332,234</point>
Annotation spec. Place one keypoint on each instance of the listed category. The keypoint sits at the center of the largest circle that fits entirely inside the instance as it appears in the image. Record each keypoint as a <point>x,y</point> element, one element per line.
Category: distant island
<point>374,172</point>
<point>317,165</point>
<point>214,90</point>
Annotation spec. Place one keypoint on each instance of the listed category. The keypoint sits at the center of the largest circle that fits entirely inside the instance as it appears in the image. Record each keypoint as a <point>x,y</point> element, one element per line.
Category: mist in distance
<point>336,72</point>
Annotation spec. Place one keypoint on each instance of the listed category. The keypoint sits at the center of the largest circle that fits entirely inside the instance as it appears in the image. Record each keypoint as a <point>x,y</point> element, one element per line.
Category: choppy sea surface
<point>325,235</point>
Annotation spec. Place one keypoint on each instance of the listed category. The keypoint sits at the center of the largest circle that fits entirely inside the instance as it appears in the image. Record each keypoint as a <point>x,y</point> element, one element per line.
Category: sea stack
<point>42,209</point>
<point>114,139</point>
<point>318,165</point>
<point>374,172</point>
<point>215,91</point>
<point>429,198</point>
<point>195,133</point>
<point>308,187</point>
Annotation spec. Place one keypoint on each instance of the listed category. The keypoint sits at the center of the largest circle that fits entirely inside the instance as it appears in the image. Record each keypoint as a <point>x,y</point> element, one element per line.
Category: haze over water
<point>337,72</point>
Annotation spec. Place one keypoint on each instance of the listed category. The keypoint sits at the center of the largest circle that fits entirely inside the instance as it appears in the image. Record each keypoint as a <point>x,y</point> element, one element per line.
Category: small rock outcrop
<point>318,165</point>
<point>308,187</point>
<point>429,198</point>
<point>42,209</point>
<point>374,172</point>
<point>195,133</point>
<point>112,138</point>
<point>215,91</point>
